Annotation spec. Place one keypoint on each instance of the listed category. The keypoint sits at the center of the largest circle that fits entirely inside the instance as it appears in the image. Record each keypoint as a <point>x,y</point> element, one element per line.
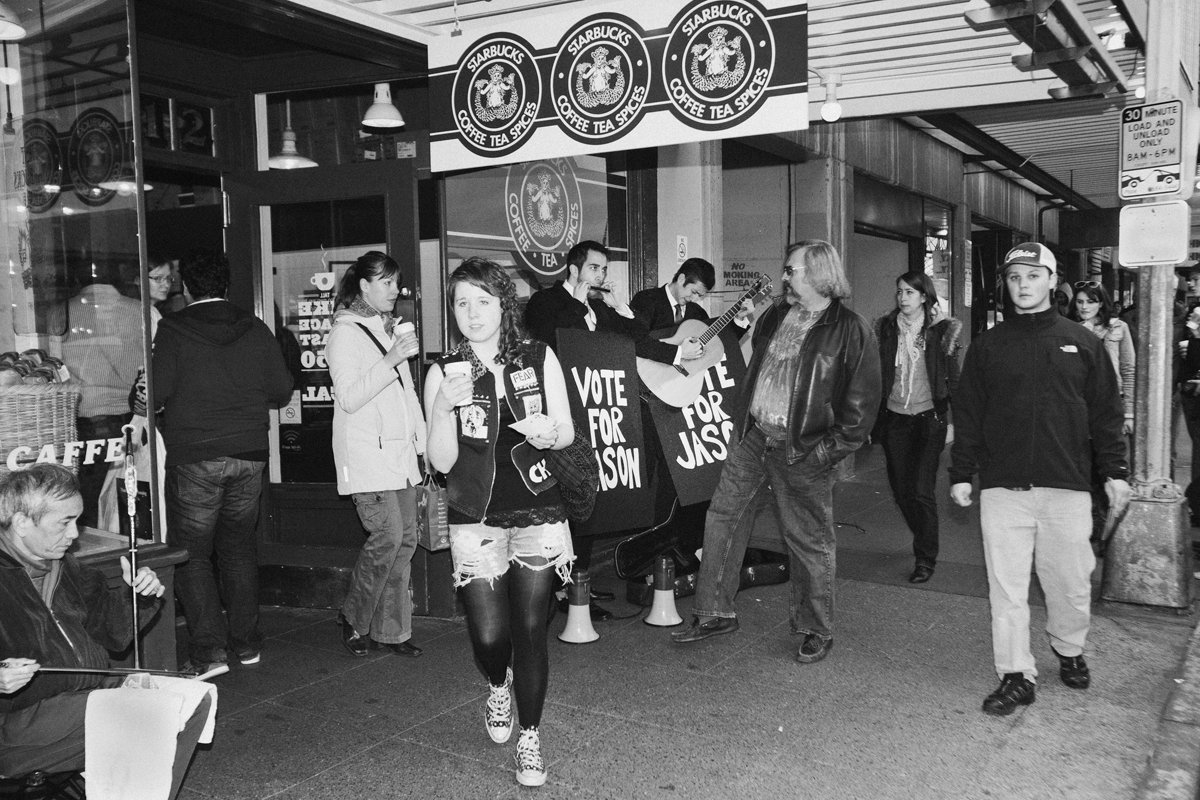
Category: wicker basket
<point>35,415</point>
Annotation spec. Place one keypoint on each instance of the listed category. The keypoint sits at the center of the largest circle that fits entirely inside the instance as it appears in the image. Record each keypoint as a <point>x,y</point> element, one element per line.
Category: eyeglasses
<point>163,279</point>
<point>789,271</point>
<point>1086,284</point>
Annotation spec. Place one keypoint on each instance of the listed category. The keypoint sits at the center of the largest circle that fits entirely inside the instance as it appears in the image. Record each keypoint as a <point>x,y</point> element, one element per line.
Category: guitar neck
<point>718,325</point>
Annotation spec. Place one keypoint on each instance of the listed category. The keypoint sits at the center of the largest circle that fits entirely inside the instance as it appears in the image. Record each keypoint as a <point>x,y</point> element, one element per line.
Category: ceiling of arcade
<point>915,59</point>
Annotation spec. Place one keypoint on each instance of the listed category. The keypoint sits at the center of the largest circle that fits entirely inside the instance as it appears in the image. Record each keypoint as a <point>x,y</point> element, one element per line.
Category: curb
<point>1173,767</point>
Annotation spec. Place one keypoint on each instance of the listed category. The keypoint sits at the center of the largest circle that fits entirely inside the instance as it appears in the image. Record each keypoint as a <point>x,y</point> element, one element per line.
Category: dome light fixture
<point>831,109</point>
<point>11,29</point>
<point>382,114</point>
<point>288,156</point>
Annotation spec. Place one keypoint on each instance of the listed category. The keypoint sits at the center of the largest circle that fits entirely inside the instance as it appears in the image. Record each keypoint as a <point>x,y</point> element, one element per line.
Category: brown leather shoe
<point>703,630</point>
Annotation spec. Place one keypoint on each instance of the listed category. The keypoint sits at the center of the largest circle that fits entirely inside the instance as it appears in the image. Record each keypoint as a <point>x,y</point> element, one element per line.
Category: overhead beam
<point>992,149</point>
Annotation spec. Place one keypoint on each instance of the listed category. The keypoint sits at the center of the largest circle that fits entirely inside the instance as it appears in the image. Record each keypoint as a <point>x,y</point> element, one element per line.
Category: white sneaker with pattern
<point>497,714</point>
<point>531,769</point>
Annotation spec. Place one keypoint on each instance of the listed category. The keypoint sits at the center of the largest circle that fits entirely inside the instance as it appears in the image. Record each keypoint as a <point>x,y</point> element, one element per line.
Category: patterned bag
<point>578,476</point>
<point>433,524</point>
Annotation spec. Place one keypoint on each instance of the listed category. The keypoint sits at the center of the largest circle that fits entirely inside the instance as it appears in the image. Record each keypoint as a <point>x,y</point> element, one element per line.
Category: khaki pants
<point>1046,529</point>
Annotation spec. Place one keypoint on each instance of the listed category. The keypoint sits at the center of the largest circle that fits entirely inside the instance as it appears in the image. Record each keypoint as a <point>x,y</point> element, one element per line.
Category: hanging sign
<point>637,75</point>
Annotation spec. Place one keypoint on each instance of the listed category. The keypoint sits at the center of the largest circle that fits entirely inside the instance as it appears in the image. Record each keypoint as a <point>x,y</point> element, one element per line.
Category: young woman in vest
<point>378,431</point>
<point>508,526</point>
<point>918,354</point>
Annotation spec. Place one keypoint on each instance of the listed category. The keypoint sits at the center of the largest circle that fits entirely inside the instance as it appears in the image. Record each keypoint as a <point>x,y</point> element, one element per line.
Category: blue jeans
<point>213,506</point>
<point>378,601</point>
<point>757,473</point>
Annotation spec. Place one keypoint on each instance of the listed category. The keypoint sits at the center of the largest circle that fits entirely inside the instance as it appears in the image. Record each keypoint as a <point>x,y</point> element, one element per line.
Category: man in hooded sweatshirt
<point>216,371</point>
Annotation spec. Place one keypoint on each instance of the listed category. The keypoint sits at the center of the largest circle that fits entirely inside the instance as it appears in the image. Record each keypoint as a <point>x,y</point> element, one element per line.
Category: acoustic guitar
<point>679,384</point>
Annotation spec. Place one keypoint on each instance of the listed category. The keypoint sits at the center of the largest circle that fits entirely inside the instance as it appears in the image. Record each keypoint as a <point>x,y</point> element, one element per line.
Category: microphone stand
<point>131,509</point>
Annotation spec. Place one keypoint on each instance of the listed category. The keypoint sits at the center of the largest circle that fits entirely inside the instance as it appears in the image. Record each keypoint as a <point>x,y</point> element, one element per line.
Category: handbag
<point>578,476</point>
<point>433,526</point>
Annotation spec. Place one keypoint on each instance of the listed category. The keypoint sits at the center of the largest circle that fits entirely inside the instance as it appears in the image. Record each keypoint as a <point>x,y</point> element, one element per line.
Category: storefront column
<point>824,195</point>
<point>690,206</point>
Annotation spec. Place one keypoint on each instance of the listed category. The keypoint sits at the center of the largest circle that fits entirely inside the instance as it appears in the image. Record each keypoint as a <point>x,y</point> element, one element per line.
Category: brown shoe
<point>703,630</point>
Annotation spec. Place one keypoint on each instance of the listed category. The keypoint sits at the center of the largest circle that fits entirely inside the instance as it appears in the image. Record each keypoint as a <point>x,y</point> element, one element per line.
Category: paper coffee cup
<point>405,328</point>
<point>459,368</point>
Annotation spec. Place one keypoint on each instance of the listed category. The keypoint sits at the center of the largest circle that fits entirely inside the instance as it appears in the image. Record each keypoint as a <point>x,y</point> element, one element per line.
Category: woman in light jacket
<point>378,432</point>
<point>1094,308</point>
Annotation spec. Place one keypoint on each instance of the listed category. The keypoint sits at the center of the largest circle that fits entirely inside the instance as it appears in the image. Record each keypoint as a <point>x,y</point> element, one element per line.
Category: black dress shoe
<point>355,642</point>
<point>702,630</point>
<point>1014,690</point>
<point>407,649</point>
<point>921,573</point>
<point>602,596</point>
<point>1073,671</point>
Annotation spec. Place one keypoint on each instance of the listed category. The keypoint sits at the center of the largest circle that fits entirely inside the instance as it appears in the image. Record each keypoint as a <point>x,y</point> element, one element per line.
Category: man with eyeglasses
<point>814,384</point>
<point>1037,402</point>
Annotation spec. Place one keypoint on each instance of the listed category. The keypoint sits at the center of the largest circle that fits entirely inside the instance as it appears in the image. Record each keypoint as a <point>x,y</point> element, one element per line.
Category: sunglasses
<point>1086,284</point>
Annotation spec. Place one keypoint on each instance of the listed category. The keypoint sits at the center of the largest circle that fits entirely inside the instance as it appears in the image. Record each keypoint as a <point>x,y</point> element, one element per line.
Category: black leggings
<point>507,623</point>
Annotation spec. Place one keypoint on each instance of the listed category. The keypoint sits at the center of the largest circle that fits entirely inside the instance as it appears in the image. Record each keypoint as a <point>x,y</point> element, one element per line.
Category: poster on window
<point>602,383</point>
<point>544,85</point>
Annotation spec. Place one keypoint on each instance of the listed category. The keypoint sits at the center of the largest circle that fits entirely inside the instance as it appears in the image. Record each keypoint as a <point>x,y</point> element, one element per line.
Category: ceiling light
<point>289,157</point>
<point>382,114</point>
<point>11,29</point>
<point>831,109</point>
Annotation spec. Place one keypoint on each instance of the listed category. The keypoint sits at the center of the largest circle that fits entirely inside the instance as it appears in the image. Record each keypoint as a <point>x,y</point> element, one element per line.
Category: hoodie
<point>216,371</point>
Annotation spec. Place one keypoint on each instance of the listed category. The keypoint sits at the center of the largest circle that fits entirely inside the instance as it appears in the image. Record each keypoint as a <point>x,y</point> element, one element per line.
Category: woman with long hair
<point>378,432</point>
<point>919,359</point>
<point>1093,307</point>
<point>508,525</point>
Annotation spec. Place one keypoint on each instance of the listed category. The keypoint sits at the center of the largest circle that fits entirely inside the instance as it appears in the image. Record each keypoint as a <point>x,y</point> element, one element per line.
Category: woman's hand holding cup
<point>457,388</point>
<point>405,345</point>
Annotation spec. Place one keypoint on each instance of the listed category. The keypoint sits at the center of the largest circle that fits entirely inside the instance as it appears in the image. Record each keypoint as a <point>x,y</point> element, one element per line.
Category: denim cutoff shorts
<point>482,551</point>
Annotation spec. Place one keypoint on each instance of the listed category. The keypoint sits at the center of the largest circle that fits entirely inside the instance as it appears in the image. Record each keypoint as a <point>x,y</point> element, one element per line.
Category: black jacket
<point>836,395</point>
<point>554,307</point>
<point>655,312</point>
<point>941,358</point>
<point>86,619</point>
<point>216,370</point>
<point>1037,402</point>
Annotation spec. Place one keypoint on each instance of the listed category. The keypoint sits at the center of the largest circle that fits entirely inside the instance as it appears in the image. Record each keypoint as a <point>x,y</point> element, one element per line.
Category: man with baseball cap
<point>1037,403</point>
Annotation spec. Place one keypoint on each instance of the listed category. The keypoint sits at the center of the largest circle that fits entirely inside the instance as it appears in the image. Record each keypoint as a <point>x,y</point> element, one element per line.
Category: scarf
<point>910,349</point>
<point>364,309</point>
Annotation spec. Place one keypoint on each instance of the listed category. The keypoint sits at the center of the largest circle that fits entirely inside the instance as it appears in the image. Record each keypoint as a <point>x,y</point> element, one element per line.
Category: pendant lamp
<point>288,157</point>
<point>11,29</point>
<point>382,114</point>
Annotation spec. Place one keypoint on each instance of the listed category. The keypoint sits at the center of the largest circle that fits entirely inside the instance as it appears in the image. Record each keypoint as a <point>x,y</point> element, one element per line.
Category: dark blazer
<point>655,312</point>
<point>553,308</point>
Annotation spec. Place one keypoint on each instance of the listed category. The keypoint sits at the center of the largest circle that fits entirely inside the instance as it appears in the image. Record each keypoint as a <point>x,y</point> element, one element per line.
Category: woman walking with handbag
<point>508,530</point>
<point>378,432</point>
<point>918,354</point>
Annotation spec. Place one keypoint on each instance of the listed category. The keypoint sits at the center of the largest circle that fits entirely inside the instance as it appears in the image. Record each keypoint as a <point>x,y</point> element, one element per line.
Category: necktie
<point>678,313</point>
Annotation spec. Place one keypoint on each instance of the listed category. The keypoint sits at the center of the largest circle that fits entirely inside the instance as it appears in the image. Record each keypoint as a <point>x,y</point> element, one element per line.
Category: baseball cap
<point>1032,254</point>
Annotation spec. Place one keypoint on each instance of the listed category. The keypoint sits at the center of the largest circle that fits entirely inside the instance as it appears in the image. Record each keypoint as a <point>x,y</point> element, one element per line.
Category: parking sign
<point>1151,150</point>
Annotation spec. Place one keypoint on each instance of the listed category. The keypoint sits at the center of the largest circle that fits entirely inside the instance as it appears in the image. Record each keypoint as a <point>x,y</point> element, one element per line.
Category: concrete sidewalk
<point>892,713</point>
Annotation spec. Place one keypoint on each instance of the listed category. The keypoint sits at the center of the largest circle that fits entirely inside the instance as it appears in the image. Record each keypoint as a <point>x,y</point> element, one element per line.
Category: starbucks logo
<point>43,165</point>
<point>545,211</point>
<point>495,95</point>
<point>94,155</point>
<point>600,79</point>
<point>718,62</point>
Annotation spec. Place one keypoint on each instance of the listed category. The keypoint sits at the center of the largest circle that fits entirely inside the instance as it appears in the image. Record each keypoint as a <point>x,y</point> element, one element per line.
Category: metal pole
<point>131,509</point>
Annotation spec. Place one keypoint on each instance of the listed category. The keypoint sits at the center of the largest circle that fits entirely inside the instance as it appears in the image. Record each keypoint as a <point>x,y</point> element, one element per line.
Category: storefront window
<point>527,216</point>
<point>72,318</point>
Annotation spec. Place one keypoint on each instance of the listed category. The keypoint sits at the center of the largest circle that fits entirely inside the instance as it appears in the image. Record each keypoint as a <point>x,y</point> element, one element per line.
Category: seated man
<point>56,612</point>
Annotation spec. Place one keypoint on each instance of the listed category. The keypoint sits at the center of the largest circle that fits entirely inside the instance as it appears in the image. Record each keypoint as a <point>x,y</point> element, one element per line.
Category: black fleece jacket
<point>1038,400</point>
<point>216,371</point>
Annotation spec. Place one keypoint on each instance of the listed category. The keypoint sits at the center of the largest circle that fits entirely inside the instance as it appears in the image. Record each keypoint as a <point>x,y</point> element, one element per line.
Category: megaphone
<point>579,628</point>
<point>662,610</point>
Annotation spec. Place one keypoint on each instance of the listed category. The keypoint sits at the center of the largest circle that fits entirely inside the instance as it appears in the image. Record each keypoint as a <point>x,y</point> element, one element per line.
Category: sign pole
<point>1149,558</point>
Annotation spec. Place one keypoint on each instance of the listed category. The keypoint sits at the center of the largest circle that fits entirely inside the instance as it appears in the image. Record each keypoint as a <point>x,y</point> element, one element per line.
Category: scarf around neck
<point>364,309</point>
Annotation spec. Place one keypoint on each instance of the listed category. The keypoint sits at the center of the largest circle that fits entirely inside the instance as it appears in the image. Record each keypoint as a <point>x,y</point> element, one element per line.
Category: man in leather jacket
<point>814,384</point>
